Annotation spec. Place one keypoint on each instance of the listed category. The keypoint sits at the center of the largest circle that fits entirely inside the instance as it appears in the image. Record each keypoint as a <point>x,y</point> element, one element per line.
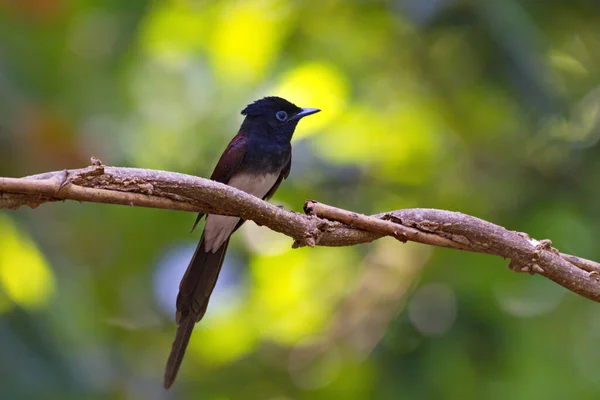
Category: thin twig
<point>381,226</point>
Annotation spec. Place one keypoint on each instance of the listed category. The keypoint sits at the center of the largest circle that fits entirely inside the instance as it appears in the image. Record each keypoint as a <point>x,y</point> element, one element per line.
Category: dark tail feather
<point>195,289</point>
<point>184,332</point>
<point>198,218</point>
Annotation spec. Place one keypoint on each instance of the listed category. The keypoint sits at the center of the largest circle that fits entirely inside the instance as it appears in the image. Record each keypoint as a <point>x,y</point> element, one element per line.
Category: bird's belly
<point>256,184</point>
<point>219,227</point>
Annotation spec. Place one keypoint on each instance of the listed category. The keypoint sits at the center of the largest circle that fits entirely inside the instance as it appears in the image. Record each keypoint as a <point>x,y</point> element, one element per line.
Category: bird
<point>257,160</point>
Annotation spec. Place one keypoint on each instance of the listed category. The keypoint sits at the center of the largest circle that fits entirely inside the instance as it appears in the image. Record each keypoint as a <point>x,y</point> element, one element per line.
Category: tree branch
<point>324,225</point>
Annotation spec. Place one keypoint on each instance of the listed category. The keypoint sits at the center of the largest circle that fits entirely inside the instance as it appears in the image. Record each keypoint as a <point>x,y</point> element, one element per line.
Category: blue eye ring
<point>281,116</point>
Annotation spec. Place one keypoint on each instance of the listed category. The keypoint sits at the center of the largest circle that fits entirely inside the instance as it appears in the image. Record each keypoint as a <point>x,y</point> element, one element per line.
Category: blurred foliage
<point>490,108</point>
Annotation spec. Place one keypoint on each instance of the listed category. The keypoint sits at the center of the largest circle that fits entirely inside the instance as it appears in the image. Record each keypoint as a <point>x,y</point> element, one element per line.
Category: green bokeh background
<point>488,107</point>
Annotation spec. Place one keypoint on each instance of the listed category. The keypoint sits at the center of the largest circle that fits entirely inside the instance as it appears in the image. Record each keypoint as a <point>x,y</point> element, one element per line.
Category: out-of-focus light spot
<point>169,271</point>
<point>527,298</point>
<point>294,292</point>
<point>432,309</point>
<point>566,62</point>
<point>174,30</point>
<point>225,333</point>
<point>356,138</point>
<point>400,136</point>
<point>319,85</point>
<point>246,38</point>
<point>94,35</point>
<point>313,367</point>
<point>25,276</point>
<point>264,241</point>
<point>172,266</point>
<point>282,294</point>
<point>225,339</point>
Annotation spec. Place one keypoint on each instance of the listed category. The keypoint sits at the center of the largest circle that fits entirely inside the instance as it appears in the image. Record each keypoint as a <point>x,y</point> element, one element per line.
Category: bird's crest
<point>269,104</point>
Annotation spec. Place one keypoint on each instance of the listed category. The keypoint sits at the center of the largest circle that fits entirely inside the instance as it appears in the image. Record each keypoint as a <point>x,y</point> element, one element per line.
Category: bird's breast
<point>267,156</point>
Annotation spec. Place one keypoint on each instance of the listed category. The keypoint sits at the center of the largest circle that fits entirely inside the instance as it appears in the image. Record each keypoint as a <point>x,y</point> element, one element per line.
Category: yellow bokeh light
<point>224,339</point>
<point>294,294</point>
<point>25,276</point>
<point>316,84</point>
<point>173,30</point>
<point>246,38</point>
<point>398,137</point>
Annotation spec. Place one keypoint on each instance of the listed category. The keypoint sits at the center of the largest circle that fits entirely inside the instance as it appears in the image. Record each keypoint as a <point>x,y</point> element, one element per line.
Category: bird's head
<point>276,115</point>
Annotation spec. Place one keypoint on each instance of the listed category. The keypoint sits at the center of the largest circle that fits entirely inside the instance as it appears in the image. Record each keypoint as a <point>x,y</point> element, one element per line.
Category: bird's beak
<point>305,112</point>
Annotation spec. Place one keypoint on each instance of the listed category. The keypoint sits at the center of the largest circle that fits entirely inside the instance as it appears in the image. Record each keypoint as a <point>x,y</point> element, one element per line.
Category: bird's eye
<point>281,116</point>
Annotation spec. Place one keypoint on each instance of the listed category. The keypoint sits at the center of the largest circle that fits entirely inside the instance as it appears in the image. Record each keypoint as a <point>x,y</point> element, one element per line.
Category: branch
<point>324,225</point>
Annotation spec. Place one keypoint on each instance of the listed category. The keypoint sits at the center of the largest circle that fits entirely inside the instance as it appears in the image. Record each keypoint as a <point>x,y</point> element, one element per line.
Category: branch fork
<point>323,225</point>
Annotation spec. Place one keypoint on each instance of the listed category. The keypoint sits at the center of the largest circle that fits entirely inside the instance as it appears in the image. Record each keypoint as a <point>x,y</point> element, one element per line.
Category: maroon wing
<point>230,160</point>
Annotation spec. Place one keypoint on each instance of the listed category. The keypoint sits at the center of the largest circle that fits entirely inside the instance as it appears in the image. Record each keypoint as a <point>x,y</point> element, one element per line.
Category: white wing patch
<point>219,227</point>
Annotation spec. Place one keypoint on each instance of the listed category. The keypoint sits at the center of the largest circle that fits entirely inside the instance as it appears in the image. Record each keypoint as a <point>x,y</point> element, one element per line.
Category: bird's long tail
<point>194,293</point>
